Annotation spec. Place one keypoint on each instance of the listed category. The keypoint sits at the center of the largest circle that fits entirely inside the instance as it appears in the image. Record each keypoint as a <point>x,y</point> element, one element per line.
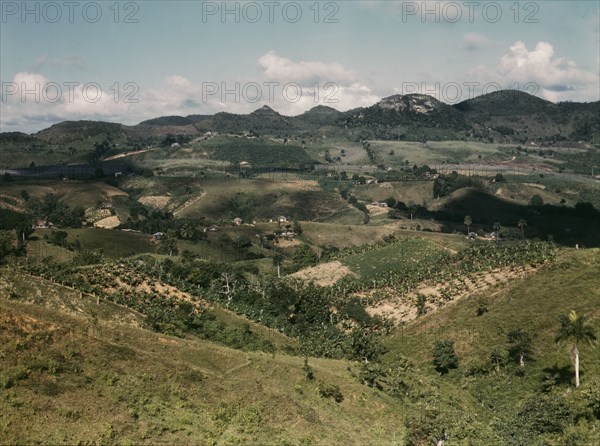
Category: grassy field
<point>397,256</point>
<point>113,243</point>
<point>92,377</point>
<point>74,371</point>
<point>434,151</point>
<point>72,192</point>
<point>341,235</point>
<point>265,200</point>
<point>417,192</point>
<point>533,304</point>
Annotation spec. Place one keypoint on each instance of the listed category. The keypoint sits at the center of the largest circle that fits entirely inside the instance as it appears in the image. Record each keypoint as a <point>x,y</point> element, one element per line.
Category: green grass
<point>38,249</point>
<point>114,243</point>
<point>434,151</point>
<point>533,304</point>
<point>345,235</point>
<point>397,256</point>
<point>78,377</point>
<point>76,371</point>
<point>569,283</point>
<point>265,200</point>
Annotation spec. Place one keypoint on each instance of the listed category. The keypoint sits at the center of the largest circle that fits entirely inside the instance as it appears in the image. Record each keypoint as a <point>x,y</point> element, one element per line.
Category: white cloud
<point>556,78</point>
<point>298,86</point>
<point>279,68</point>
<point>30,101</point>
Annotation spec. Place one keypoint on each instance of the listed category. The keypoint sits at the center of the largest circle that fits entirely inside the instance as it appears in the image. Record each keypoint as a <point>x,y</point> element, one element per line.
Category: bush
<point>308,371</point>
<point>330,391</point>
<point>444,357</point>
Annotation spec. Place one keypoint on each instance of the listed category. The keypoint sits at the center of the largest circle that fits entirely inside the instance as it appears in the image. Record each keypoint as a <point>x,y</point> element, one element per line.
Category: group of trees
<point>53,209</point>
<point>573,330</point>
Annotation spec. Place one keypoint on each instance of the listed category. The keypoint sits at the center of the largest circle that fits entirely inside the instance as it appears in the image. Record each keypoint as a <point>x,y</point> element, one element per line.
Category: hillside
<point>506,116</point>
<point>411,117</point>
<point>523,117</point>
<point>98,377</point>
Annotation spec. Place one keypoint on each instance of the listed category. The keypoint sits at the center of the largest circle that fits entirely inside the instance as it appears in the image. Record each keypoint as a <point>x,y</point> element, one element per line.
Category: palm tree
<point>522,224</point>
<point>277,261</point>
<point>573,329</point>
<point>468,222</point>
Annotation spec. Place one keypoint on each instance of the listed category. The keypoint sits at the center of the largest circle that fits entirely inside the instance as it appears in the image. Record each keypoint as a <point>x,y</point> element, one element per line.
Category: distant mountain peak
<point>264,110</point>
<point>416,103</point>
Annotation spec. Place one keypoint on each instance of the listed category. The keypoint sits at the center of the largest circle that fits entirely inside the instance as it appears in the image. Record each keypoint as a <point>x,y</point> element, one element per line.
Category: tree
<point>304,256</point>
<point>498,357</point>
<point>468,223</point>
<point>277,261</point>
<point>573,329</point>
<point>168,243</point>
<point>7,243</point>
<point>536,200</point>
<point>497,226</point>
<point>444,357</point>
<point>520,345</point>
<point>522,224</point>
<point>297,227</point>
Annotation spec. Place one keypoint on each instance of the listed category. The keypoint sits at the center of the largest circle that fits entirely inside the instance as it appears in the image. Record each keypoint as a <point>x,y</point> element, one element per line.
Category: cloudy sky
<point>131,61</point>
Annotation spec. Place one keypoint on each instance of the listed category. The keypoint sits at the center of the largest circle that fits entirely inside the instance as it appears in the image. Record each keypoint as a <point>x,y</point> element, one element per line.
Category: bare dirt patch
<point>108,222</point>
<point>403,308</point>
<point>325,274</point>
<point>538,186</point>
<point>376,210</point>
<point>156,201</point>
<point>126,154</point>
<point>288,243</point>
<point>110,191</point>
<point>26,324</point>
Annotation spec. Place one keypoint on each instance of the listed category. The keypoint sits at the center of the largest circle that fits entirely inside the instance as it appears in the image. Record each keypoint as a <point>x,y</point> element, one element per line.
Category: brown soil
<point>325,274</point>
<point>402,308</point>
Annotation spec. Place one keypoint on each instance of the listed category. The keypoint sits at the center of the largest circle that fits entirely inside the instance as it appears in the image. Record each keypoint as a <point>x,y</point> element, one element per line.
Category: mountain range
<point>503,116</point>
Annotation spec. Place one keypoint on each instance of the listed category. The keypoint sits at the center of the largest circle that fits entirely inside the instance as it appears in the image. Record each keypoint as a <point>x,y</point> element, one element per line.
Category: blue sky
<point>176,57</point>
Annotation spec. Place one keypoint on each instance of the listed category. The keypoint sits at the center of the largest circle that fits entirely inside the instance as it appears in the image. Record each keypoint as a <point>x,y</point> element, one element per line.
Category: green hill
<point>75,370</point>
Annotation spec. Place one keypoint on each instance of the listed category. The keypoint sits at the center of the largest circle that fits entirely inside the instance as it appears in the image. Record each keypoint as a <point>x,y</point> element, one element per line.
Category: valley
<point>375,276</point>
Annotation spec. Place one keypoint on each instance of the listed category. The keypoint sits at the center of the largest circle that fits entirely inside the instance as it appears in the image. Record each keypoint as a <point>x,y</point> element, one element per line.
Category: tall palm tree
<point>468,223</point>
<point>497,227</point>
<point>522,224</point>
<point>277,261</point>
<point>573,329</point>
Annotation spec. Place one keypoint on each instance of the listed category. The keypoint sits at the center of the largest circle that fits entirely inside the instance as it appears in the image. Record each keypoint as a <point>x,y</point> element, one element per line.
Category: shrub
<point>330,391</point>
<point>444,357</point>
<point>308,371</point>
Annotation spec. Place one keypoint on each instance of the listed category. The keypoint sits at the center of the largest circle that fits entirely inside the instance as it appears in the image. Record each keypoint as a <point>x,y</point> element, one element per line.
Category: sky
<point>134,60</point>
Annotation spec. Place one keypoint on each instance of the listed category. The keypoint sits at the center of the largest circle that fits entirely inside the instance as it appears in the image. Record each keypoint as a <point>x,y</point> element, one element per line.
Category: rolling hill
<point>504,116</point>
